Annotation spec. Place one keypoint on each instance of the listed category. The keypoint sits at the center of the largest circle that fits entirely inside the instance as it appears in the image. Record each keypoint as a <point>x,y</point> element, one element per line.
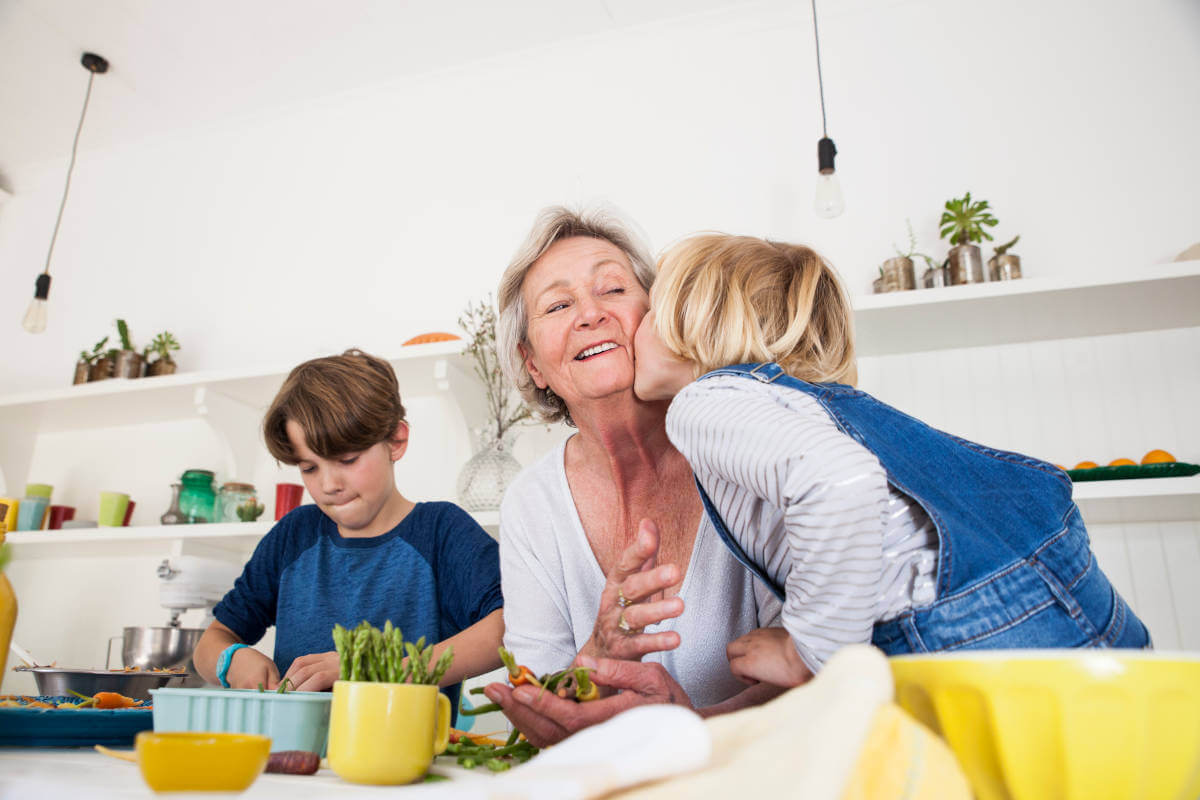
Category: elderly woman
<point>605,551</point>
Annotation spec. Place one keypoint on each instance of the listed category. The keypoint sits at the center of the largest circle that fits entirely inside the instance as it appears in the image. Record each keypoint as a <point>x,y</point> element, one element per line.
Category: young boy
<point>363,551</point>
<point>869,525</point>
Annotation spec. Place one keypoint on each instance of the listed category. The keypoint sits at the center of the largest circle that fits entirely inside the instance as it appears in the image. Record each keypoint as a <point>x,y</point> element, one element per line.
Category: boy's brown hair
<point>344,404</point>
<point>722,300</point>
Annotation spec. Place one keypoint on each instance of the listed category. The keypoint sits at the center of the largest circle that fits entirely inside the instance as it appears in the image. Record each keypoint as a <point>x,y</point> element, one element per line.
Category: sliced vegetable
<point>294,762</point>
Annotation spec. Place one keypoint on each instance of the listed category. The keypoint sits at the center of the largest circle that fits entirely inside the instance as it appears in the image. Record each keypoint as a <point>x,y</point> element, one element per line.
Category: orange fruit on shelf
<point>1158,457</point>
<point>426,338</point>
<point>1086,465</point>
<point>1123,462</point>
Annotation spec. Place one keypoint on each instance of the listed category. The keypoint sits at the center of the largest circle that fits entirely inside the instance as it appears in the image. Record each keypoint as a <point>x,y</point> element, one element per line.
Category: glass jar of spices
<point>233,496</point>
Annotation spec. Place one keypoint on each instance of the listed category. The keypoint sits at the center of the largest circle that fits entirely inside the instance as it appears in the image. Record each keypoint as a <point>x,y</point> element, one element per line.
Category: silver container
<point>966,264</point>
<point>1004,268</point>
<point>933,278</point>
<point>899,275</point>
<point>146,647</point>
<point>58,682</point>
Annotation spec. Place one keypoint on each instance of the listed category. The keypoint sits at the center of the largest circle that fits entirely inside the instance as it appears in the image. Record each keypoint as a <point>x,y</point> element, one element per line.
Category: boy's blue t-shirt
<point>433,575</point>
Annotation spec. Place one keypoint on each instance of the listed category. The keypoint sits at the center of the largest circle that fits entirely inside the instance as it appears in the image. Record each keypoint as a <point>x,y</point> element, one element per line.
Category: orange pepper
<point>113,700</point>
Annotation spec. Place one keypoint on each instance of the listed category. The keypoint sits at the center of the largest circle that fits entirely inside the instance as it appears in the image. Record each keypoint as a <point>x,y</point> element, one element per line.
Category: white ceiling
<point>179,64</point>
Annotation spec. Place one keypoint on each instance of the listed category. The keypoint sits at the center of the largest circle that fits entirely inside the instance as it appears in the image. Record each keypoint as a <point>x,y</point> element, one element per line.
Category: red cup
<point>287,497</point>
<point>57,515</point>
<point>128,513</point>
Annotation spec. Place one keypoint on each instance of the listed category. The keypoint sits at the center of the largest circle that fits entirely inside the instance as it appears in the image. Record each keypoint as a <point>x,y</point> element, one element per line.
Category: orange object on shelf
<point>1123,462</point>
<point>426,338</point>
<point>1158,457</point>
<point>1086,465</point>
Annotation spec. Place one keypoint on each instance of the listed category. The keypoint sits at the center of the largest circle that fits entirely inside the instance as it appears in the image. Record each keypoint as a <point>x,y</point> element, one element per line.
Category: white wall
<point>368,217</point>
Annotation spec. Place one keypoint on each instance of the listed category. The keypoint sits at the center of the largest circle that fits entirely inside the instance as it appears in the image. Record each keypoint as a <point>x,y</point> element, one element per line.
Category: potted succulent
<point>161,346</point>
<point>101,361</point>
<point>963,222</point>
<point>83,367</point>
<point>128,362</point>
<point>898,273</point>
<point>1002,266</point>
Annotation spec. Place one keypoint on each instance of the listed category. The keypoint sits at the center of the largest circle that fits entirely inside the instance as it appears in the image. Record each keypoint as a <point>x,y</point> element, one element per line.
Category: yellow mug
<point>386,733</point>
<point>10,516</point>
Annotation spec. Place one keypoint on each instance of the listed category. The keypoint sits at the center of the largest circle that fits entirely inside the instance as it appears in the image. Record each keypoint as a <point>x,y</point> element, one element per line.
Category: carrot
<point>294,762</point>
<point>113,700</point>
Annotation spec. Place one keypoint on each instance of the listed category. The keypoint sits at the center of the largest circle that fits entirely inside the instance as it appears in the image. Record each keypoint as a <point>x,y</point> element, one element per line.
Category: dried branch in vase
<point>505,408</point>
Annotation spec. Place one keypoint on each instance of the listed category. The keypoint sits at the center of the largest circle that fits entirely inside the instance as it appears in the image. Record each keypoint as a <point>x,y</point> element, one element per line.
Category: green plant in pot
<point>1003,265</point>
<point>963,222</point>
<point>161,346</point>
<point>128,362</point>
<point>899,274</point>
<point>83,367</point>
<point>100,361</point>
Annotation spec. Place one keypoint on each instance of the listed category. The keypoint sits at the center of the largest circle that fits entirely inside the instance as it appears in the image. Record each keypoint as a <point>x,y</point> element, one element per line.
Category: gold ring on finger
<point>622,600</point>
<point>624,625</point>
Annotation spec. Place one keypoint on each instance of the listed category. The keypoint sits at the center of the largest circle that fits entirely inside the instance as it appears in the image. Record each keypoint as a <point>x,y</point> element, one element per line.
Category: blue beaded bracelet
<point>225,660</point>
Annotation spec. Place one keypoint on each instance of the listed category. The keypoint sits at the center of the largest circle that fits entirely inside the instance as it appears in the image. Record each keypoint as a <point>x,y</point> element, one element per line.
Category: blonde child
<point>870,525</point>
<point>363,551</point>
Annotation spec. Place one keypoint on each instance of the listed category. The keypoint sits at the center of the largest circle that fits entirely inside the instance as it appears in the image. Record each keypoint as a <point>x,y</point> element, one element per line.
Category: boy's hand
<point>314,672</point>
<point>249,668</point>
<point>767,655</point>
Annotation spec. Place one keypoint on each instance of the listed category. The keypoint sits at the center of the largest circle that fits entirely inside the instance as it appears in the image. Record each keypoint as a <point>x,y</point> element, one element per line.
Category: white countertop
<point>72,773</point>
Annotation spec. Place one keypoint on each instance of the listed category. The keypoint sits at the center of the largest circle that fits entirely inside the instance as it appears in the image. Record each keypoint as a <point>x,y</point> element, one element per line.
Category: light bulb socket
<point>42,287</point>
<point>825,153</point>
<point>94,63</point>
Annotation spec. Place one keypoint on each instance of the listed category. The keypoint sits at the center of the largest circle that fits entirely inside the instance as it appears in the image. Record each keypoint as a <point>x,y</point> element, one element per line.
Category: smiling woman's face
<point>583,304</point>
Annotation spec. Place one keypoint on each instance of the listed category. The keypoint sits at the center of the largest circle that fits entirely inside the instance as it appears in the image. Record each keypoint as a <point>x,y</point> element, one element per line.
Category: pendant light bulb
<point>34,320</point>
<point>829,201</point>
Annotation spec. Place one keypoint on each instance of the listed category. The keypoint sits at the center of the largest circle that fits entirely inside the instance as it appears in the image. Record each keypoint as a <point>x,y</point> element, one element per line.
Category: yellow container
<point>1063,725</point>
<point>201,762</point>
<point>12,505</point>
<point>386,733</point>
<point>8,607</point>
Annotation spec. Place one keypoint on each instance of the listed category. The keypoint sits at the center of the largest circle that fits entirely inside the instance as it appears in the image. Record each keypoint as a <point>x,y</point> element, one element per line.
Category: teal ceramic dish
<point>293,720</point>
<point>1176,469</point>
<point>21,726</point>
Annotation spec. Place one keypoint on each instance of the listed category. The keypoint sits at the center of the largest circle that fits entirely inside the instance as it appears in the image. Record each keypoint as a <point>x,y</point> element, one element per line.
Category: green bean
<point>484,709</point>
<point>512,738</point>
<point>496,765</point>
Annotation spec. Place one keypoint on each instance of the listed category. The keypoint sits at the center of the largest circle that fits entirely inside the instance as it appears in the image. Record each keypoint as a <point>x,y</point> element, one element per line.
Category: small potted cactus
<point>963,222</point>
<point>1003,266</point>
<point>129,361</point>
<point>161,347</point>
<point>101,363</point>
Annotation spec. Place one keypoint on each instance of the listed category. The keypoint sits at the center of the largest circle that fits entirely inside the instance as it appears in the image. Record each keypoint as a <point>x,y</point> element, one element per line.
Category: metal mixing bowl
<point>147,647</point>
<point>58,682</point>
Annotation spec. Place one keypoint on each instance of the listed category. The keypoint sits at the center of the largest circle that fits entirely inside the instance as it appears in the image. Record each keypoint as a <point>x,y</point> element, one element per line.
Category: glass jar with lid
<point>238,502</point>
<point>197,498</point>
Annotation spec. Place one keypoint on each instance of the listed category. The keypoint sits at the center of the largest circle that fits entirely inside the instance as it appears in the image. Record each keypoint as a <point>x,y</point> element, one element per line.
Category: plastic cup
<point>287,497</point>
<point>31,513</point>
<point>58,515</point>
<point>39,490</point>
<point>112,509</point>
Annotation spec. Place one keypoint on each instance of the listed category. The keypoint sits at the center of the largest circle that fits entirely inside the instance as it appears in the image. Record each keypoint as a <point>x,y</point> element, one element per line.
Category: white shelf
<point>1029,309</point>
<point>232,538</point>
<point>1139,500</point>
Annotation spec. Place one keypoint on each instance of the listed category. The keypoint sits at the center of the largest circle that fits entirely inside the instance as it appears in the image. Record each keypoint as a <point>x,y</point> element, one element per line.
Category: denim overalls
<point>1015,567</point>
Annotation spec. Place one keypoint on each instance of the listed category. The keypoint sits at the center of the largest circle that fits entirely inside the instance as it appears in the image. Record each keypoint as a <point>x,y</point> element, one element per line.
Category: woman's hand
<point>547,719</point>
<point>767,655</point>
<point>249,669</point>
<point>314,672</point>
<point>626,604</point>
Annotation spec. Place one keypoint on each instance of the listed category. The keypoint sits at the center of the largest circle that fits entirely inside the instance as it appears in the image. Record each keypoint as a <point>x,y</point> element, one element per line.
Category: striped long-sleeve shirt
<point>810,506</point>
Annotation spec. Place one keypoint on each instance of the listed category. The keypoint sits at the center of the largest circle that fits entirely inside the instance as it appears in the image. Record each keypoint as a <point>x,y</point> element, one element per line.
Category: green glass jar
<point>197,498</point>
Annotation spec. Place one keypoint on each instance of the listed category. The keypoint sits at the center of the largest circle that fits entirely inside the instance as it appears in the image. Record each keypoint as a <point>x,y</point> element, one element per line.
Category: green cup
<point>39,490</point>
<point>112,509</point>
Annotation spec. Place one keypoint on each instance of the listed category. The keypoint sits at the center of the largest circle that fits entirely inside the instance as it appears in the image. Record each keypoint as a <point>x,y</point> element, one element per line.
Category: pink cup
<point>287,497</point>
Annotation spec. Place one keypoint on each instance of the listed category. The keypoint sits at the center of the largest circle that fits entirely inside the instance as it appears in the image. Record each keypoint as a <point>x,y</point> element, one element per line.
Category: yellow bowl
<point>1063,724</point>
<point>201,762</point>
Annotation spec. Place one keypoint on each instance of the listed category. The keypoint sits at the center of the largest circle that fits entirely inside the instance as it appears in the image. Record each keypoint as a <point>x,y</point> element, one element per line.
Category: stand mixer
<point>185,582</point>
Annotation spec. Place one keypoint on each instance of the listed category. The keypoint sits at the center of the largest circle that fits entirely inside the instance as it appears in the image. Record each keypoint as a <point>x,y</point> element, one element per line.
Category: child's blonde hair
<point>721,300</point>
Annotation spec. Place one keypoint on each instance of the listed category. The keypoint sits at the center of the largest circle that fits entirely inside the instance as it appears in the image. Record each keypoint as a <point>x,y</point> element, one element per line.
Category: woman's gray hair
<point>554,224</point>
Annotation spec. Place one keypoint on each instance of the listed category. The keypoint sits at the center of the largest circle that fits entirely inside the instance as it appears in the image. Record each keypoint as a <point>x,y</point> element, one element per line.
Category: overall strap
<point>715,517</point>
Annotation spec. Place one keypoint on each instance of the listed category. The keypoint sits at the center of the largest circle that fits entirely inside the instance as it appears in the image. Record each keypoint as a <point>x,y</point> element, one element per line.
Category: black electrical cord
<point>820,79</point>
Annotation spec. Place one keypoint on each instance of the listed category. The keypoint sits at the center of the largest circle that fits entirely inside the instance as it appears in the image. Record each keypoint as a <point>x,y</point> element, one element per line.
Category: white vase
<point>484,478</point>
